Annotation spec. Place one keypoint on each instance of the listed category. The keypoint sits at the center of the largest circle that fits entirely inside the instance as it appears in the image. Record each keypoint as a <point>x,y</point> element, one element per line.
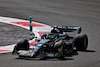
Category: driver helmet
<point>51,36</point>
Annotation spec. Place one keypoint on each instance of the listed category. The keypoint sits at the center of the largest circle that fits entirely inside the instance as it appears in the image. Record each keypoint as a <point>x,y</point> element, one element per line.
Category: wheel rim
<point>85,44</point>
<point>62,50</point>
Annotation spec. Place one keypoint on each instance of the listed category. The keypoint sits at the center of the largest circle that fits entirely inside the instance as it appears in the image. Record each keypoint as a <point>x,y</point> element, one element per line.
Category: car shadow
<point>88,51</point>
<point>45,59</point>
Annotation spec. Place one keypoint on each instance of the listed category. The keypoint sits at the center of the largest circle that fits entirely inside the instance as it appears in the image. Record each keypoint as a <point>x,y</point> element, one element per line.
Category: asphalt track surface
<point>84,13</point>
<point>9,34</point>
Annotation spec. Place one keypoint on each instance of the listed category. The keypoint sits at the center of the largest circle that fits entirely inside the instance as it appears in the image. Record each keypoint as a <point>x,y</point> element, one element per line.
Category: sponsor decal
<point>72,27</point>
<point>33,43</point>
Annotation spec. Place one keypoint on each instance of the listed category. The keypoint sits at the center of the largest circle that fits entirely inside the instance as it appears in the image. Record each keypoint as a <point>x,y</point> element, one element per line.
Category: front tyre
<point>60,47</point>
<point>61,53</point>
<point>22,44</point>
<point>81,42</point>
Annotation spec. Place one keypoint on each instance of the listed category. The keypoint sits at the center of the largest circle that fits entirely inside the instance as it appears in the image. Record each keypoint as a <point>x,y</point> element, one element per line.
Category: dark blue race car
<point>55,44</point>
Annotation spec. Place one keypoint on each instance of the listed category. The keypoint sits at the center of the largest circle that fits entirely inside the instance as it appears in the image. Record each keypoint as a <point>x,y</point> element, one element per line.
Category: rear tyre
<point>22,44</point>
<point>81,42</point>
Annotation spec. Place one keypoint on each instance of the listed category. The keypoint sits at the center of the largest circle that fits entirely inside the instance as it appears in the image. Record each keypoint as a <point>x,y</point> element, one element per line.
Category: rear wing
<point>69,28</point>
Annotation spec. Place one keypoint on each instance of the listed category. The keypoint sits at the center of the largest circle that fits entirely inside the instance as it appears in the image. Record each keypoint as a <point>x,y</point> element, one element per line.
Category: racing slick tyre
<point>22,44</point>
<point>59,46</point>
<point>61,53</point>
<point>81,42</point>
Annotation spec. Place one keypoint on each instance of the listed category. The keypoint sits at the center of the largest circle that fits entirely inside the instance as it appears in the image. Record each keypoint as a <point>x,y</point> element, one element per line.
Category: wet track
<point>84,13</point>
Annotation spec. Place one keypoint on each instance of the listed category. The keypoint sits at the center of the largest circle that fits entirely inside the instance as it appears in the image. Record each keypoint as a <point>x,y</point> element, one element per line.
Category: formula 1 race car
<point>55,44</point>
